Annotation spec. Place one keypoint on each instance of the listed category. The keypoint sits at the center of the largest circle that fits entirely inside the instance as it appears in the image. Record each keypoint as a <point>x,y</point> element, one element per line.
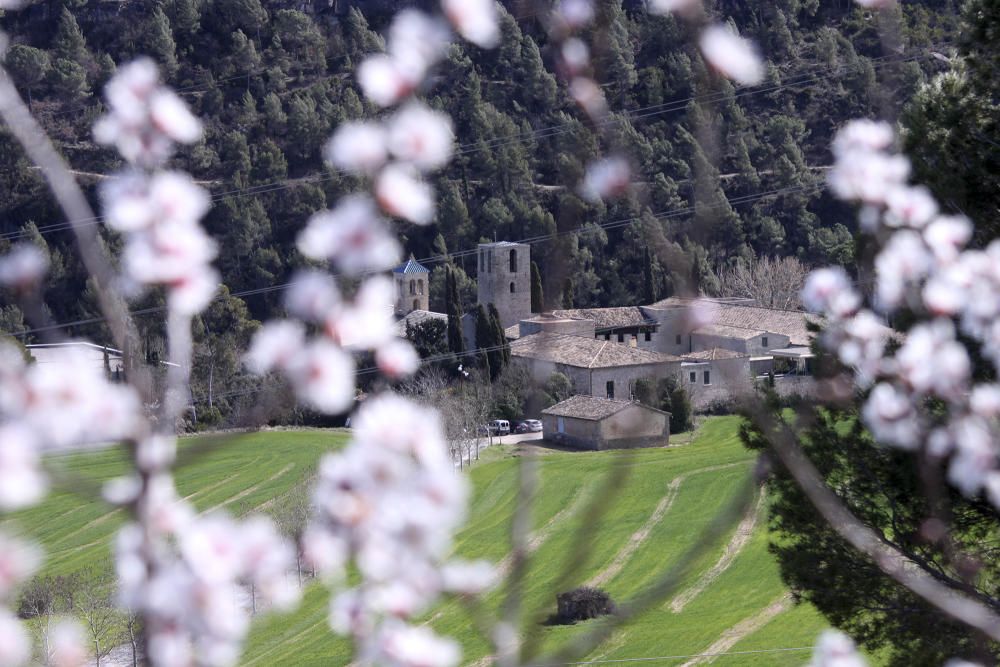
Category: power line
<point>499,142</point>
<point>433,259</point>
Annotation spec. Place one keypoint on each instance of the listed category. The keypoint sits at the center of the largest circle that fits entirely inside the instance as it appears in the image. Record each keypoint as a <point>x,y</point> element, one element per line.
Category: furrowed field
<point>732,602</point>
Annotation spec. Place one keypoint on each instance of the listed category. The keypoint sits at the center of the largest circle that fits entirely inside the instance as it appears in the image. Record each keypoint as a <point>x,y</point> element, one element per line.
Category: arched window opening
<point>416,304</point>
<point>512,288</point>
<point>513,262</point>
<point>413,287</point>
<point>420,286</point>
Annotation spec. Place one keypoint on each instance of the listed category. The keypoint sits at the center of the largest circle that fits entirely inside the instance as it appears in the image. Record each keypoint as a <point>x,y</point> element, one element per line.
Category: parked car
<point>529,426</point>
<point>499,427</point>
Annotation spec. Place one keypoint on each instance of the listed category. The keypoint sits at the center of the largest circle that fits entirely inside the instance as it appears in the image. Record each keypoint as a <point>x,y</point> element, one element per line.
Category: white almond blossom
<point>15,643</point>
<point>397,359</point>
<point>145,119</point>
<point>68,644</point>
<point>731,55</point>
<point>358,147</point>
<point>575,56</point>
<point>401,193</point>
<point>24,266</point>
<point>422,137</point>
<point>835,649</point>
<point>354,236</point>
<point>475,20</point>
<point>574,14</point>
<point>415,37</point>
<point>606,178</point>
<point>682,7</point>
<point>386,81</point>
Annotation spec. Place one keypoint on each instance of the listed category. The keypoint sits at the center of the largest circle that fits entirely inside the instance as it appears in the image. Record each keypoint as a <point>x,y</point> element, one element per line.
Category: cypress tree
<point>484,338</point>
<point>453,307</point>
<point>648,285</point>
<point>499,338</point>
<point>537,295</point>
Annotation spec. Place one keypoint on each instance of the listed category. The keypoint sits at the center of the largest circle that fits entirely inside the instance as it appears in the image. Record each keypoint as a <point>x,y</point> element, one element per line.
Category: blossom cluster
<point>18,561</point>
<point>183,574</point>
<point>157,211</point>
<point>390,503</point>
<point>391,500</point>
<point>61,404</point>
<point>924,268</point>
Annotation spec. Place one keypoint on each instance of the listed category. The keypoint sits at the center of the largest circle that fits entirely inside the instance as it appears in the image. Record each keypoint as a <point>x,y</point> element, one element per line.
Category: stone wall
<point>625,377</point>
<point>509,290</point>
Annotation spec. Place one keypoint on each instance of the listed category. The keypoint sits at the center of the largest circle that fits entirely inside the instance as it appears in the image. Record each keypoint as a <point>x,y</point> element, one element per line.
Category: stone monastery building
<point>604,351</point>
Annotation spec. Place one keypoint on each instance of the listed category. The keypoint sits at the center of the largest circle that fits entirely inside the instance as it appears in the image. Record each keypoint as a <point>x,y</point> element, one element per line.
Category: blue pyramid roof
<point>411,266</point>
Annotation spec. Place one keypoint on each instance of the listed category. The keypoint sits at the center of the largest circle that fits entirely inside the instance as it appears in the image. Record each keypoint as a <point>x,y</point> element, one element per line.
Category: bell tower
<point>412,281</point>
<point>504,279</point>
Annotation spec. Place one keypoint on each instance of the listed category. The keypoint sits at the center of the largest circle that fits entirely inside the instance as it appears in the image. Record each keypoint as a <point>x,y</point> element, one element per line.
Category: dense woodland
<point>273,79</point>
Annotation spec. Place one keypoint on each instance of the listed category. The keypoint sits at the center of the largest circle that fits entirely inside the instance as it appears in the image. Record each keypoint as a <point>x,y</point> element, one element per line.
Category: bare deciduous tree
<point>774,283</point>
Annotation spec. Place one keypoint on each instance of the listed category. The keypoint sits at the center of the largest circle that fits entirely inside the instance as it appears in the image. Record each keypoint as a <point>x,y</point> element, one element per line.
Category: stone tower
<point>412,282</point>
<point>505,279</point>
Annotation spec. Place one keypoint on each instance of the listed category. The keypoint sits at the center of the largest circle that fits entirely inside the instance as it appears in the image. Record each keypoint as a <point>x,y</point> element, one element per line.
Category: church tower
<point>504,279</point>
<point>412,282</point>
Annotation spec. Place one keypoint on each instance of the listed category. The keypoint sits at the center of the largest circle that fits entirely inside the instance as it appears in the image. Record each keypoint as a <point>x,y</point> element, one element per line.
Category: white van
<point>499,427</point>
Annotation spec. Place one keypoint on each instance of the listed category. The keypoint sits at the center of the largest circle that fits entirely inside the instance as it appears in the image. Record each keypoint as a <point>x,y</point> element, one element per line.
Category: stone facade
<point>586,422</point>
<point>504,279</point>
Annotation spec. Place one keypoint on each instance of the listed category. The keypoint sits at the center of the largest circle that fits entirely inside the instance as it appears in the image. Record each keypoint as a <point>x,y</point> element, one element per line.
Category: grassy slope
<point>749,585</point>
<point>240,476</point>
<point>253,469</point>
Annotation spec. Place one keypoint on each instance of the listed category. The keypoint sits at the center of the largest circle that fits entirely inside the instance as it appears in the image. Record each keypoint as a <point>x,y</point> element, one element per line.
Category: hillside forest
<point>723,174</point>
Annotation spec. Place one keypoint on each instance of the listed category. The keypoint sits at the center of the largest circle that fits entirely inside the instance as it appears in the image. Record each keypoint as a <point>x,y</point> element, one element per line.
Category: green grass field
<point>731,602</point>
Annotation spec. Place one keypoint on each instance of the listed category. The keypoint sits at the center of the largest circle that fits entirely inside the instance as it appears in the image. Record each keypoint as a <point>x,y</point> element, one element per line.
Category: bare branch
<point>78,212</point>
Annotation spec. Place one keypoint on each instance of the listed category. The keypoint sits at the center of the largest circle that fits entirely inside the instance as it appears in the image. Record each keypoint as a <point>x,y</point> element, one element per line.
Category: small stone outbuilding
<point>589,422</point>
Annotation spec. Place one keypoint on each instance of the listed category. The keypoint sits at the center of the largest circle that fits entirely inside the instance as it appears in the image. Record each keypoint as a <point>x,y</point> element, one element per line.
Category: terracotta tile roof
<point>791,323</point>
<point>590,408</point>
<point>583,352</point>
<point>715,353</point>
<point>609,318</point>
<point>729,332</point>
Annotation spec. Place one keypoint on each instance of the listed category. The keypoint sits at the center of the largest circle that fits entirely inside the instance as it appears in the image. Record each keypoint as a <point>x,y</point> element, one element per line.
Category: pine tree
<point>69,43</point>
<point>159,42</point>
<point>537,295</point>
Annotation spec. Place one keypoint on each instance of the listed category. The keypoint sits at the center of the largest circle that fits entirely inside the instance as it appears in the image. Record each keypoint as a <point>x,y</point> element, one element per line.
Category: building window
<point>416,304</point>
<point>648,337</point>
<point>677,339</point>
<point>413,287</point>
<point>607,337</point>
<point>420,286</point>
<point>513,262</point>
<point>621,338</point>
<point>562,425</point>
<point>489,261</point>
<point>694,377</point>
<point>610,387</point>
<point>763,341</point>
<point>708,379</point>
<point>512,288</point>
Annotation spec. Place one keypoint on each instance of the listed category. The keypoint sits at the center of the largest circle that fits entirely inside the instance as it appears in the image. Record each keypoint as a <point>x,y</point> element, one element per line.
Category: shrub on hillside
<point>581,604</point>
